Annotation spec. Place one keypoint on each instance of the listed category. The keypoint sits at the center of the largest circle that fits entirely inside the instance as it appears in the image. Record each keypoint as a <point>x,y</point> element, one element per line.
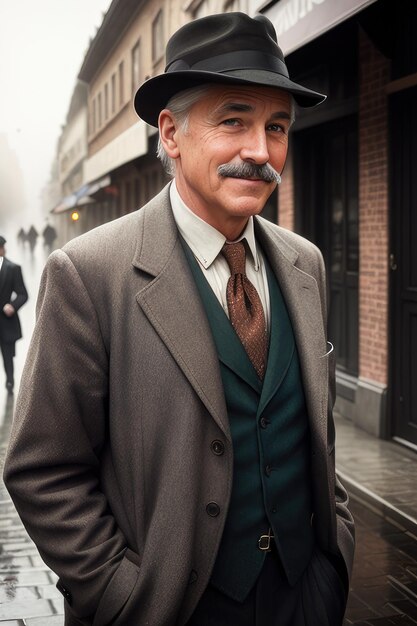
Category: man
<point>172,454</point>
<point>13,295</point>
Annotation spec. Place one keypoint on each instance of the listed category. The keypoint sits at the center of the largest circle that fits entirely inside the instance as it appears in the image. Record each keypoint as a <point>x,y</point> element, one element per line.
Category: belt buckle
<point>264,542</point>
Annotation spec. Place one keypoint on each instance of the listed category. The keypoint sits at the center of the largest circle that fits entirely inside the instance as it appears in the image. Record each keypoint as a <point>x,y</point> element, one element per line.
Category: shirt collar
<point>204,240</point>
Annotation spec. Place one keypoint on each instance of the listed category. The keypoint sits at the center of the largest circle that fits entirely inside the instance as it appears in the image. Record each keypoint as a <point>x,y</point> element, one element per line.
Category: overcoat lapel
<point>302,297</point>
<point>173,306</point>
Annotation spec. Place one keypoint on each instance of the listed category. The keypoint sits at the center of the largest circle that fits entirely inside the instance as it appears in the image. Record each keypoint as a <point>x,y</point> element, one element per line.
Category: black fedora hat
<point>228,48</point>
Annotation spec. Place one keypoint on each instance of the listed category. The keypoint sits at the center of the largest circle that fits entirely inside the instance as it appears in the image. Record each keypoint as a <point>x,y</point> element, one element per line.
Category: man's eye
<point>231,122</point>
<point>276,128</point>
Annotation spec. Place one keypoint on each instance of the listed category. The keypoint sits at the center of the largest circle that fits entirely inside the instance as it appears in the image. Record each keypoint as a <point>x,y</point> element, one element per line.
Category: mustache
<point>263,172</point>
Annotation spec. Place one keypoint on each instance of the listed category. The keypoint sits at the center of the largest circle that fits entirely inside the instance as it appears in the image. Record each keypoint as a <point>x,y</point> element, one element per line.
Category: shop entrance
<point>326,195</point>
<point>403,262</point>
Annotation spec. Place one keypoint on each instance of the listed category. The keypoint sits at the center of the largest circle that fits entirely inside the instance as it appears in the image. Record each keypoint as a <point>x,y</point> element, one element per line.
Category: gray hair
<point>180,106</point>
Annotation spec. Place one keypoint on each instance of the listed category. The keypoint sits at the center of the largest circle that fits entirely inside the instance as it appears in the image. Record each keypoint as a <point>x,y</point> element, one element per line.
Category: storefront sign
<point>299,21</point>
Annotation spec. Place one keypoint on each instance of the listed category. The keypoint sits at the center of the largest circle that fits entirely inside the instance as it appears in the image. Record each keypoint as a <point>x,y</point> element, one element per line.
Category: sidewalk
<point>380,473</point>
<point>381,479</point>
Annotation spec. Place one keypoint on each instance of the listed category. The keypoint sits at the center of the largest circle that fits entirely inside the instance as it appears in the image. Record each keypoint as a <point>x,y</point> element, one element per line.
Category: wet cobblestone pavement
<point>28,595</point>
<point>384,585</point>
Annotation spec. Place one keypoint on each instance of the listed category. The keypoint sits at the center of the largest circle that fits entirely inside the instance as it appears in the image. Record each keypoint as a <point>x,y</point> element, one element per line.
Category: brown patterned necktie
<point>245,307</point>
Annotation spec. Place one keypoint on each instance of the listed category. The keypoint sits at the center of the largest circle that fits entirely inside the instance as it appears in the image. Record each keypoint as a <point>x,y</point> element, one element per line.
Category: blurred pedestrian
<point>172,453</point>
<point>21,236</point>
<point>32,236</point>
<point>49,235</point>
<point>13,295</point>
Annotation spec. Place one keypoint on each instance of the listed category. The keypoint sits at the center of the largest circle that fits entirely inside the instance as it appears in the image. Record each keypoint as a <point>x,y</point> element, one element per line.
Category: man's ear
<point>168,133</point>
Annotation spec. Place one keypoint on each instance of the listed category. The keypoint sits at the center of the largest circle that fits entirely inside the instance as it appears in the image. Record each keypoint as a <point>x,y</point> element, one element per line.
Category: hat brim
<point>154,94</point>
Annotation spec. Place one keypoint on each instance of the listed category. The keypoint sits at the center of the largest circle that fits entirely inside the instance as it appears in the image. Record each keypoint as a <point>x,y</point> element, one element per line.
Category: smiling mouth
<point>250,178</point>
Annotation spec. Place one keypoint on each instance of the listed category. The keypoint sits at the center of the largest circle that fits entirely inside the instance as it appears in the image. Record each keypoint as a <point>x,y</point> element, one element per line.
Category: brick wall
<point>373,213</point>
<point>286,196</point>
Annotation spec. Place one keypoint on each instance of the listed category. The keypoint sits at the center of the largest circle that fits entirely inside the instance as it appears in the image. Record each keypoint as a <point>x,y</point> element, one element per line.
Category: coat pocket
<point>118,590</point>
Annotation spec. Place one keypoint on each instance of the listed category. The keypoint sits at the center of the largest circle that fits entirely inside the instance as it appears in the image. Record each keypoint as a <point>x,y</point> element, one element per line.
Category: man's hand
<point>9,310</point>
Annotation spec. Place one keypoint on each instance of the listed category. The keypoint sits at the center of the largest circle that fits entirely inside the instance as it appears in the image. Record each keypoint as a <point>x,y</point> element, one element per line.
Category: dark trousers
<point>7,350</point>
<point>317,599</point>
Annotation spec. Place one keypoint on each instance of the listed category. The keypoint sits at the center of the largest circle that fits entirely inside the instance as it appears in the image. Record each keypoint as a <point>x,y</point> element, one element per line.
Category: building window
<point>99,110</point>
<point>232,5</point>
<point>106,101</point>
<point>198,9</point>
<point>93,117</point>
<point>136,203</point>
<point>135,67</point>
<point>158,46</point>
<point>113,93</point>
<point>128,200</point>
<point>121,83</point>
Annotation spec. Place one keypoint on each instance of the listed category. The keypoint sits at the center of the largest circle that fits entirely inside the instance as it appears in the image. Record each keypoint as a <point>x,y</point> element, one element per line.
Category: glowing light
<point>75,216</point>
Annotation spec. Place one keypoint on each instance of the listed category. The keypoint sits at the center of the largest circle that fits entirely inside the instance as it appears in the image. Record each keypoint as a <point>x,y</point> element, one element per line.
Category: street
<point>384,585</point>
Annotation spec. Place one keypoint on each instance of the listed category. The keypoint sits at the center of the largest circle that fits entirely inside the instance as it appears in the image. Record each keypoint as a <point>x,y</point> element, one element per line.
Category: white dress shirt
<point>206,243</point>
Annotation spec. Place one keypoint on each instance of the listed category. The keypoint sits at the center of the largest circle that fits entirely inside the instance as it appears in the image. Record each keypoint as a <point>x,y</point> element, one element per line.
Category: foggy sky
<point>42,46</point>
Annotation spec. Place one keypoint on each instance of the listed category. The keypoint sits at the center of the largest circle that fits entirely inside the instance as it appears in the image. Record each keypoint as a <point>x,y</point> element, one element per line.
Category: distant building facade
<point>120,170</point>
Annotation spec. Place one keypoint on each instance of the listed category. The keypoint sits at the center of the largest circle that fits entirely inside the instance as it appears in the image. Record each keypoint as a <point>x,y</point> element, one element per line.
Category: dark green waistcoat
<point>271,446</point>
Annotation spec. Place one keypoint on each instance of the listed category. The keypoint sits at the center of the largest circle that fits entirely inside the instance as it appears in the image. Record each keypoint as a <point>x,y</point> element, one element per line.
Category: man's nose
<point>255,149</point>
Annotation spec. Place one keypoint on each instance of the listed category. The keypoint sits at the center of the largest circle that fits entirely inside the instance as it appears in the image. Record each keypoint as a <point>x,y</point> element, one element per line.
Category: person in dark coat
<point>32,237</point>
<point>13,295</point>
<point>49,235</point>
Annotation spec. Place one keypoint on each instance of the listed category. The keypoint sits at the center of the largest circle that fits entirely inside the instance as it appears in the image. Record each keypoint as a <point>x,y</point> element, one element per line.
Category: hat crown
<point>223,49</point>
<point>221,34</point>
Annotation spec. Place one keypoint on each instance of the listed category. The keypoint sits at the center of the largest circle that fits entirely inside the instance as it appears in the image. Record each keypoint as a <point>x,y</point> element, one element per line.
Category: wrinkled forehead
<point>254,93</point>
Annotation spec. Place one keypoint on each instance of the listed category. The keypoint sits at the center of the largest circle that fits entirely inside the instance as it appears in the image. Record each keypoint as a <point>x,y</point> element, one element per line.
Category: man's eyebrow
<point>281,115</point>
<point>240,107</point>
<point>230,107</point>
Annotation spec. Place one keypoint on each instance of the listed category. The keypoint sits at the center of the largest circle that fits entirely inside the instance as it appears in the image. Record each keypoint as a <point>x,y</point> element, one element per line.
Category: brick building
<point>350,186</point>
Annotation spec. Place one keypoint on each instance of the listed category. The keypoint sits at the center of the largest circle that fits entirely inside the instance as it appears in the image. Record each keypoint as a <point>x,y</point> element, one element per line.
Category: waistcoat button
<point>213,509</point>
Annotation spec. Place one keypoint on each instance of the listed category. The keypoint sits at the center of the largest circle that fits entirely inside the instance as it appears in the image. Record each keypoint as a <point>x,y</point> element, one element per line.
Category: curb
<point>387,510</point>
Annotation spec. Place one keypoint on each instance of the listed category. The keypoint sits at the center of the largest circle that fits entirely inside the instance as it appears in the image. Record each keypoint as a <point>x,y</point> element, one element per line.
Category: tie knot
<point>235,255</point>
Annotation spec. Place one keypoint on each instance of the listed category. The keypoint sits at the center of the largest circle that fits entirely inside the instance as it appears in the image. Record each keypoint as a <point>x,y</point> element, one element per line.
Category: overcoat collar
<point>172,304</point>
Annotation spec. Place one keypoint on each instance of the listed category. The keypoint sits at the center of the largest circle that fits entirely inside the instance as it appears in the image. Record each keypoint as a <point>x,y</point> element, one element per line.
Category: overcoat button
<point>217,447</point>
<point>213,509</point>
<point>268,470</point>
<point>263,422</point>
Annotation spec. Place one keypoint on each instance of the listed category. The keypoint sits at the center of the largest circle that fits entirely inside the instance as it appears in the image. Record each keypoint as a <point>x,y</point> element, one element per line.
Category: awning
<point>299,21</point>
<point>98,184</point>
<point>129,145</point>
<point>80,197</point>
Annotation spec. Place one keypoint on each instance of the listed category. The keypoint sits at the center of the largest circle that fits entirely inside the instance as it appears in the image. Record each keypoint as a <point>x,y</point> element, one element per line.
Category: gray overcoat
<point>110,463</point>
